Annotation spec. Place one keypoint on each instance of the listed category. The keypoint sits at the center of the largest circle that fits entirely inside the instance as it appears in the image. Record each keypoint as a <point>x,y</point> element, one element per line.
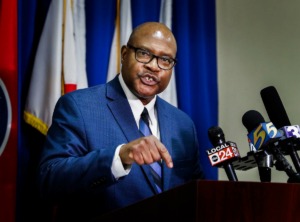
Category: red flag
<point>8,109</point>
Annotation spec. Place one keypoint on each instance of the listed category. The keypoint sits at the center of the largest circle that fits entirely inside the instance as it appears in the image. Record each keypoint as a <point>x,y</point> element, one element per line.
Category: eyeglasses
<point>144,56</point>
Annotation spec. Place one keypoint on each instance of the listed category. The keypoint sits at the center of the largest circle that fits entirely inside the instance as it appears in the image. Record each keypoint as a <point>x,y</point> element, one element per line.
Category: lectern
<point>213,201</point>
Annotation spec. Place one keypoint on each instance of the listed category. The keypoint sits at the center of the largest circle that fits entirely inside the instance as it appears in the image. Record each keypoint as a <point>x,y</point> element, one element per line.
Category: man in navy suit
<point>95,159</point>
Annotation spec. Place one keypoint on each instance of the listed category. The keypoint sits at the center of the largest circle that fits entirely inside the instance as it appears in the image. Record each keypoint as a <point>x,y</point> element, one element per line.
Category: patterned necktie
<point>155,167</point>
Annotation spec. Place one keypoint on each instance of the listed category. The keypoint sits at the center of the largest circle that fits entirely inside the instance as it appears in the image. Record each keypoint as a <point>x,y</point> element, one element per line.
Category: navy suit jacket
<point>88,125</point>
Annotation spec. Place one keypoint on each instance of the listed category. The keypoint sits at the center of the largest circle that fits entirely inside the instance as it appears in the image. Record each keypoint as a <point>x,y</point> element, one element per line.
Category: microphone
<point>256,138</point>
<point>259,132</point>
<point>223,153</point>
<point>265,136</point>
<point>274,107</point>
<point>290,141</point>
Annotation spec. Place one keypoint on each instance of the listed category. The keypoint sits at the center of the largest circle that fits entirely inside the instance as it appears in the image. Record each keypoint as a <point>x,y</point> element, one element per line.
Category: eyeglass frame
<point>152,56</point>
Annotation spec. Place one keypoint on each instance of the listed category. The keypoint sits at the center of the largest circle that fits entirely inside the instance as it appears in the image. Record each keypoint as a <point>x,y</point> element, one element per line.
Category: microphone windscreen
<point>216,135</point>
<point>274,107</point>
<point>251,120</point>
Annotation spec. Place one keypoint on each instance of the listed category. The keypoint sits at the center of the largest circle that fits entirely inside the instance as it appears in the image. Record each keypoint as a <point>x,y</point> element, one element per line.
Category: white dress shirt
<point>137,108</point>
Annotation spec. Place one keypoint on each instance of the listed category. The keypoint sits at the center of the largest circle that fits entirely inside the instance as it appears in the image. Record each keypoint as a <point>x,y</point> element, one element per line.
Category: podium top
<point>206,201</point>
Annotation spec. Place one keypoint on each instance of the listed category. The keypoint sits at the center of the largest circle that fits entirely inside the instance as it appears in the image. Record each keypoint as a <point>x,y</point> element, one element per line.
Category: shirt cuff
<point>117,167</point>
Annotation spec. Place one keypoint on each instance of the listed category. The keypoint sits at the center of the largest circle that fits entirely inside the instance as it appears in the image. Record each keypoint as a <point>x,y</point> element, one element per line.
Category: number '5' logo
<point>259,135</point>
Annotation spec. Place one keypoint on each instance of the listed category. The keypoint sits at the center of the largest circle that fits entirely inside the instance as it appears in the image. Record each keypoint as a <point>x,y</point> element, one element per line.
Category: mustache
<point>149,74</point>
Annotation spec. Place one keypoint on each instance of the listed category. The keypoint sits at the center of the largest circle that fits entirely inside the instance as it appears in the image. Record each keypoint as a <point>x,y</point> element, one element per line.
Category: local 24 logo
<point>222,153</point>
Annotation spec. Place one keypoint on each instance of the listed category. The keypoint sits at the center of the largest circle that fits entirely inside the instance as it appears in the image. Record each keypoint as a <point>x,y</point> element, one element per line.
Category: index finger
<point>164,153</point>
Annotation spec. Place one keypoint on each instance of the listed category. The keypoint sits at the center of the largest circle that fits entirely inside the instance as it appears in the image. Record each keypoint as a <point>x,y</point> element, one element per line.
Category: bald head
<point>155,30</point>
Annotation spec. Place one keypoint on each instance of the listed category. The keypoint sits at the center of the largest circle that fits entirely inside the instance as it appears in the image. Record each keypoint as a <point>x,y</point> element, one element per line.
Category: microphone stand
<point>289,145</point>
<point>230,172</point>
<point>282,164</point>
<point>264,162</point>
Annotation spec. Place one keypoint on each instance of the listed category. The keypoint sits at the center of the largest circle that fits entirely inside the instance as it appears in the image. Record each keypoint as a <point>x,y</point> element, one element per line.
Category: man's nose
<point>153,64</point>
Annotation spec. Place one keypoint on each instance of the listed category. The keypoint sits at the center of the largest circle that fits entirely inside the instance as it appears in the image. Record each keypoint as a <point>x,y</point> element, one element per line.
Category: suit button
<point>100,181</point>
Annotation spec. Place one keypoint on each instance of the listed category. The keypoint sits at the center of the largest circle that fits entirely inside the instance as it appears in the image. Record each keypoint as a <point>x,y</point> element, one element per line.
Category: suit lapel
<point>121,110</point>
<point>165,137</point>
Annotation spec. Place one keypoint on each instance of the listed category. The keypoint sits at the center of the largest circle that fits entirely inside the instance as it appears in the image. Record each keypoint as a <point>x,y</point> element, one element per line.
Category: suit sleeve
<point>68,165</point>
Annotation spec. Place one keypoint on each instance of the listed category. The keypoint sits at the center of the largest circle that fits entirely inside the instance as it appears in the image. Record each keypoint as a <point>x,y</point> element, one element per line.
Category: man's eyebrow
<point>164,55</point>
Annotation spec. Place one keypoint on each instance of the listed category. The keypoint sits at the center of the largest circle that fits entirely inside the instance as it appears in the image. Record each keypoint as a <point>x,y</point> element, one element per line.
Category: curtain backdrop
<point>194,26</point>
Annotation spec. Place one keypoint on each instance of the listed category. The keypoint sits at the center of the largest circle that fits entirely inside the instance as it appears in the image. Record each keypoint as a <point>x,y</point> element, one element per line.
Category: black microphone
<point>290,141</point>
<point>274,107</point>
<point>264,160</point>
<point>265,136</point>
<point>223,153</point>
